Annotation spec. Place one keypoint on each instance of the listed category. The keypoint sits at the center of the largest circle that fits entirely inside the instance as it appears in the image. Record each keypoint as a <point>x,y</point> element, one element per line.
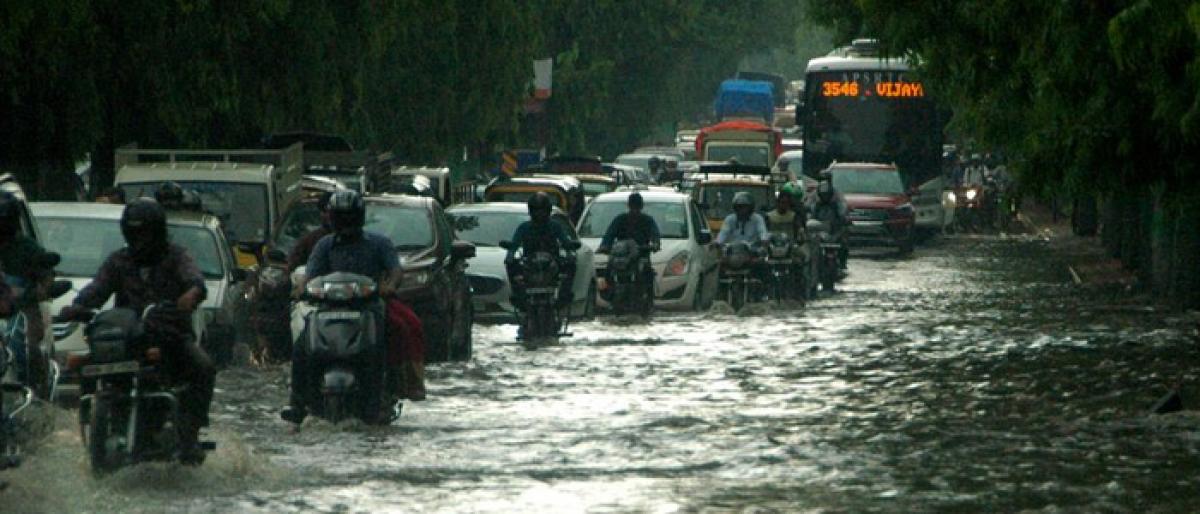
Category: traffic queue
<point>359,270</point>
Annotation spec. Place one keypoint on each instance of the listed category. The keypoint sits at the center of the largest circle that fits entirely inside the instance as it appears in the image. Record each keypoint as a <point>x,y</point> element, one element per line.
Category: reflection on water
<point>972,377</point>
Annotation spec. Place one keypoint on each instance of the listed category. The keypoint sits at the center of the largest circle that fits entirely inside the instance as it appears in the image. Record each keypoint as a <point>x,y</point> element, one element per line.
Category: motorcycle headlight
<point>952,197</point>
<point>972,193</point>
<point>416,278</point>
<point>677,266</point>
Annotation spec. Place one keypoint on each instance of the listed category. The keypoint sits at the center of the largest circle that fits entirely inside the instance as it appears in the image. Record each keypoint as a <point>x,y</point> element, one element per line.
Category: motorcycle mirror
<point>508,245</point>
<point>462,250</point>
<point>59,288</point>
<point>704,238</point>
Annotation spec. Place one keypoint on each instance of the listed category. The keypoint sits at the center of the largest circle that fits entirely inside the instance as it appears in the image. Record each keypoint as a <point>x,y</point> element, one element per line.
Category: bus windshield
<point>871,116</point>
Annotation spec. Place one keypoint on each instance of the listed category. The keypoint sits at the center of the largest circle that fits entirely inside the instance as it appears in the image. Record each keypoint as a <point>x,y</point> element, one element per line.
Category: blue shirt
<point>753,230</point>
<point>533,237</point>
<point>640,227</point>
<point>372,256</point>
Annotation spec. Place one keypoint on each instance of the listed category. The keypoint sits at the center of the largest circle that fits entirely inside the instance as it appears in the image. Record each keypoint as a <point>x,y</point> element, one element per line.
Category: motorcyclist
<point>173,197</point>
<point>743,224</point>
<point>784,218</point>
<point>632,224</point>
<point>351,249</point>
<point>540,233</point>
<point>152,270</point>
<point>27,269</point>
<point>975,172</point>
<point>830,207</point>
<point>304,246</point>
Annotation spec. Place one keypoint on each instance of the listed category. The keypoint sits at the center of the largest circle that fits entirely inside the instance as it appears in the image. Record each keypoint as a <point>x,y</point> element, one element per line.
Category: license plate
<point>95,370</point>
<point>340,315</point>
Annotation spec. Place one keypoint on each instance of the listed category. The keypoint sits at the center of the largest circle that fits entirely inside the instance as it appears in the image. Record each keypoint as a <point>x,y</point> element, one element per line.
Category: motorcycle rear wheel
<point>100,430</point>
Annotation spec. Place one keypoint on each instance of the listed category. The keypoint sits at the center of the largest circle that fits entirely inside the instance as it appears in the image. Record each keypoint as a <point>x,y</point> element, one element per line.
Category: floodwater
<point>973,376</point>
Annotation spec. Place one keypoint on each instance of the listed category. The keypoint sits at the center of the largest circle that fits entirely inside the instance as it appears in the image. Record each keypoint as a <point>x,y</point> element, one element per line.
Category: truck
<point>333,157</point>
<point>746,142</point>
<point>248,189</point>
<point>745,99</point>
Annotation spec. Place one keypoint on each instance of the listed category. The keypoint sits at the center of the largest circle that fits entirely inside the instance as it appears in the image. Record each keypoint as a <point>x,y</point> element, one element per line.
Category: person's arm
<point>391,264</point>
<point>190,273</point>
<point>723,235</point>
<point>561,235</point>
<point>517,238</point>
<point>655,235</point>
<point>761,223</point>
<point>317,265</point>
<point>611,232</point>
<point>93,295</point>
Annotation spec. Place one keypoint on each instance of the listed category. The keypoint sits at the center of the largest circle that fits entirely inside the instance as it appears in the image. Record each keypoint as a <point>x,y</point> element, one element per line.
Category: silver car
<point>85,234</point>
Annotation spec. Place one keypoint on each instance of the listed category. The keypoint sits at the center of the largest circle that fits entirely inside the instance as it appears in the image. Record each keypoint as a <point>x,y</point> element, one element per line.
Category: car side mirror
<point>573,245</point>
<point>59,288</point>
<point>704,238</point>
<point>508,245</point>
<point>462,250</point>
<point>276,255</point>
<point>239,274</point>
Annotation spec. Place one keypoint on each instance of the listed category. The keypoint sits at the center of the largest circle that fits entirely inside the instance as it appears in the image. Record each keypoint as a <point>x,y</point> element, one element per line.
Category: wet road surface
<point>973,376</point>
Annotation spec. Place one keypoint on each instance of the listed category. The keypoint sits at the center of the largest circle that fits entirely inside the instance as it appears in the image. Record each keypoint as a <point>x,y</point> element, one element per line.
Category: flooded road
<point>973,376</point>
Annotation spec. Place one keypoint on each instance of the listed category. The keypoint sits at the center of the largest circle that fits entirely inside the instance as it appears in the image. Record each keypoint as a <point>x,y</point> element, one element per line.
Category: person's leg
<point>296,410</point>
<point>515,284</point>
<point>566,284</point>
<point>193,367</point>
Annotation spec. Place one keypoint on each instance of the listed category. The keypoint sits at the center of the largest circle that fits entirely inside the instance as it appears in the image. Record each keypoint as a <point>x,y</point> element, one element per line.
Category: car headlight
<point>677,266</point>
<point>416,278</point>
<point>972,193</point>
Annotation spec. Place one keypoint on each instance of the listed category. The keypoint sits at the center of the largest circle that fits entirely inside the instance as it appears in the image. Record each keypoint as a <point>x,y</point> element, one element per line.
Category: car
<point>485,225</point>
<point>435,283</point>
<point>589,171</point>
<point>85,234</point>
<point>881,210</point>
<point>437,179</point>
<point>685,267</point>
<point>715,185</point>
<point>624,174</point>
<point>641,161</point>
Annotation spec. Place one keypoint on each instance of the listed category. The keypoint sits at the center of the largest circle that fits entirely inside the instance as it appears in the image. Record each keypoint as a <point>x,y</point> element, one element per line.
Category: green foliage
<point>422,78</point>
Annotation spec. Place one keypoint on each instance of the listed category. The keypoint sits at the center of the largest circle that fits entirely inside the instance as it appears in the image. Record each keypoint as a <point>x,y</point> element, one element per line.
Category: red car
<point>880,208</point>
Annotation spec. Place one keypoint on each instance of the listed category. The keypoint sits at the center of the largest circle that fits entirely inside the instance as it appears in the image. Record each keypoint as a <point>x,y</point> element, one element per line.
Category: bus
<point>859,106</point>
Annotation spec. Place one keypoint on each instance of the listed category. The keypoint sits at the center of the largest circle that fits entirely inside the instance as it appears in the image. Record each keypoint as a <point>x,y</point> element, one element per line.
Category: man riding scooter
<point>151,270</point>
<point>353,250</point>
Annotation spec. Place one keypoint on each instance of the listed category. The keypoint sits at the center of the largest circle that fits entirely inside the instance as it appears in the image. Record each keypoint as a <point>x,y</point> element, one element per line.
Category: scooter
<point>541,319</point>
<point>631,278</point>
<point>130,411</point>
<point>343,342</point>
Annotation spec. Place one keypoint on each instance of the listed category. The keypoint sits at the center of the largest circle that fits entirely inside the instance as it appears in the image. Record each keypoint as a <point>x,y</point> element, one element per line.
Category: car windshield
<point>488,228</point>
<point>409,227</point>
<point>755,155</point>
<point>670,216</point>
<point>242,208</point>
<point>596,188</point>
<point>867,181</point>
<point>719,198</point>
<point>85,243</point>
<point>301,219</point>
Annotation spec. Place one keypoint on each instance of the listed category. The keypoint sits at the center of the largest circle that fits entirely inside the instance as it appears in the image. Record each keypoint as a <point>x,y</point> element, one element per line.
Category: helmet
<point>654,163</point>
<point>825,190</point>
<point>793,189</point>
<point>636,201</point>
<point>144,225</point>
<point>323,201</point>
<point>169,194</point>
<point>10,215</point>
<point>826,175</point>
<point>348,213</point>
<point>539,207</point>
<point>743,199</point>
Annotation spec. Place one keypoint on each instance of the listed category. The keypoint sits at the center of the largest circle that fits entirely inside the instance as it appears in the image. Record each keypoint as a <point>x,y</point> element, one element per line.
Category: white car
<point>686,267</point>
<point>85,234</point>
<point>486,224</point>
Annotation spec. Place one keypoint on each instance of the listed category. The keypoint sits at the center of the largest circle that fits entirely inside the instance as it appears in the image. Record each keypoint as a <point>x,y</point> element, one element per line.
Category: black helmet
<point>348,212</point>
<point>539,206</point>
<point>825,190</point>
<point>169,194</point>
<point>10,215</point>
<point>144,225</point>
<point>636,201</point>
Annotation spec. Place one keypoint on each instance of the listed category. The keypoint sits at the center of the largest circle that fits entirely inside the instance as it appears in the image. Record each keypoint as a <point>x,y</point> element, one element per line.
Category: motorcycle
<point>344,345</point>
<point>631,278</point>
<point>738,285</point>
<point>976,206</point>
<point>271,299</point>
<point>10,453</point>
<point>541,319</point>
<point>130,411</point>
<point>785,260</point>
<point>829,259</point>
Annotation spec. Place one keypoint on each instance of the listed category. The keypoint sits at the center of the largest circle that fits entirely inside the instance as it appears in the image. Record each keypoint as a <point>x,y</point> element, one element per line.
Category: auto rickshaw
<point>588,170</point>
<point>715,185</point>
<point>566,192</point>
